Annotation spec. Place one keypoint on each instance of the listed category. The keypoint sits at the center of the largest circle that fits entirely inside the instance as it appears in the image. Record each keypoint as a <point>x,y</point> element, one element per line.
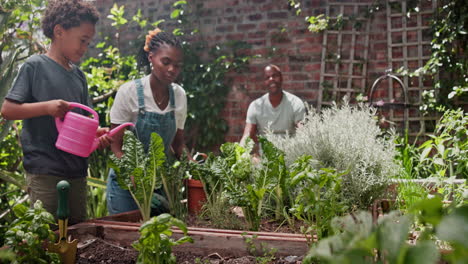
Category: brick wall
<point>276,33</point>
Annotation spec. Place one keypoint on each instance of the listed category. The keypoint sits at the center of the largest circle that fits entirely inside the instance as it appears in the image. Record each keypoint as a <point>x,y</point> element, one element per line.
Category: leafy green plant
<point>345,138</point>
<point>448,57</point>
<point>319,197</point>
<point>245,185</point>
<point>410,193</point>
<point>172,178</point>
<point>138,171</point>
<point>206,84</point>
<point>96,205</point>
<point>217,209</point>
<point>408,154</point>
<point>358,240</point>
<point>27,234</point>
<point>446,152</point>
<point>19,22</point>
<point>155,242</point>
<point>274,167</point>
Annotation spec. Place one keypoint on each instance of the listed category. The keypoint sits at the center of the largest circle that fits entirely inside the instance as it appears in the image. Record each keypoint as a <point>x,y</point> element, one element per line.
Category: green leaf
<point>454,227</point>
<point>429,210</point>
<point>175,14</point>
<point>392,235</point>
<point>423,252</point>
<point>20,210</point>
<point>425,154</point>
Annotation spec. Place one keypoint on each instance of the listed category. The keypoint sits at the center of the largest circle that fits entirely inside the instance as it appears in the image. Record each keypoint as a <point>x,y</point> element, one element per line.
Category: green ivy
<point>448,57</point>
<point>206,84</point>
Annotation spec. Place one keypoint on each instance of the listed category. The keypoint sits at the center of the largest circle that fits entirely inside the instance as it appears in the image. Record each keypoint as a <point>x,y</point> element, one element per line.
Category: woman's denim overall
<point>119,200</point>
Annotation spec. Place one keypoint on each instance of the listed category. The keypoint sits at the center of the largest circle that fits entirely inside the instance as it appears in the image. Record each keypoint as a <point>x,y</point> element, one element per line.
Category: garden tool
<point>77,133</point>
<point>66,248</point>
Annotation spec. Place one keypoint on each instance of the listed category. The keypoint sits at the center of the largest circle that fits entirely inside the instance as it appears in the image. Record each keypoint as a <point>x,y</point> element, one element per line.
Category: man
<point>277,111</point>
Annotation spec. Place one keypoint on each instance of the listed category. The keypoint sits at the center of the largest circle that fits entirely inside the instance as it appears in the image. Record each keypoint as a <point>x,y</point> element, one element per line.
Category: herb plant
<point>155,242</point>
<point>138,170</point>
<point>27,234</point>
<point>345,138</point>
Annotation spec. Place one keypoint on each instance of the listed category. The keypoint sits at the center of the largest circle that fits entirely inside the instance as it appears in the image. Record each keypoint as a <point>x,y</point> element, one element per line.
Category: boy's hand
<point>58,108</point>
<point>104,140</point>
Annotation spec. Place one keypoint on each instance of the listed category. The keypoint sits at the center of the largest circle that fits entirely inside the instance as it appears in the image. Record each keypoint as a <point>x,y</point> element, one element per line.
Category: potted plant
<point>196,195</point>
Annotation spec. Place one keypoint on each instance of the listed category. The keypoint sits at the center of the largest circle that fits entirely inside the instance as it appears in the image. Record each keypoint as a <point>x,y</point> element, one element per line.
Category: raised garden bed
<point>121,231</point>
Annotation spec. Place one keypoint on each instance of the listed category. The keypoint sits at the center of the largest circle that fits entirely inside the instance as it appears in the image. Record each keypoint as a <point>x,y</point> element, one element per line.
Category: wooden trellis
<point>343,69</point>
<point>408,40</point>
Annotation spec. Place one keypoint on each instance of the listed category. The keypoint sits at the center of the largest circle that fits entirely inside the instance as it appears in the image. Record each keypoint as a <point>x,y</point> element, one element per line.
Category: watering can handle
<point>62,208</point>
<point>59,122</point>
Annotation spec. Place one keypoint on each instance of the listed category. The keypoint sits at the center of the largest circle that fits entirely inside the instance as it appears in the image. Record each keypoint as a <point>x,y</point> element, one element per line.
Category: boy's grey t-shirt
<point>278,119</point>
<point>42,79</point>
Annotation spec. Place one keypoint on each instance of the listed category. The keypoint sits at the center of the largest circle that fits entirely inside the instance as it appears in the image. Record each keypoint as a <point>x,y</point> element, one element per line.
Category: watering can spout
<point>110,134</point>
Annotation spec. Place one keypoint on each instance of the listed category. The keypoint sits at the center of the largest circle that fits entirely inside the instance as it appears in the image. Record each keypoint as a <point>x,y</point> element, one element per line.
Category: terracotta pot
<point>195,196</point>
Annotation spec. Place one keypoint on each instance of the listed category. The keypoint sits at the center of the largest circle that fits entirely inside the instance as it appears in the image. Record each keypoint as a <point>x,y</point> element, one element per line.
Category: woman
<point>155,104</point>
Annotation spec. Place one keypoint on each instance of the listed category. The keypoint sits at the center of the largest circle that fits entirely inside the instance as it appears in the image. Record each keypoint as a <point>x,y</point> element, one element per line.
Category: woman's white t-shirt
<point>125,107</point>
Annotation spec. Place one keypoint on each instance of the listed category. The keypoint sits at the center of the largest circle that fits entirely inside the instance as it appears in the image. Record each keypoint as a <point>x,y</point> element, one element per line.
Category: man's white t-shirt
<point>125,107</point>
<point>279,119</point>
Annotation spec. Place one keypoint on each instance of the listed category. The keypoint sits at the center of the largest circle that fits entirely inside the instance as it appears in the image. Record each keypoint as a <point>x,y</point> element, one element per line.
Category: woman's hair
<point>154,40</point>
<point>68,14</point>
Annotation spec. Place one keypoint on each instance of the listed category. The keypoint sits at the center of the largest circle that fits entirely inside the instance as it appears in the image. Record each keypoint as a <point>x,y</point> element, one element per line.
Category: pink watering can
<point>77,133</point>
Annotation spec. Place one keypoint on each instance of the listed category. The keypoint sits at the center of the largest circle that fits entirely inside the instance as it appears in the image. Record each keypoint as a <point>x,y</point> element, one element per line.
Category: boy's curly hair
<point>68,14</point>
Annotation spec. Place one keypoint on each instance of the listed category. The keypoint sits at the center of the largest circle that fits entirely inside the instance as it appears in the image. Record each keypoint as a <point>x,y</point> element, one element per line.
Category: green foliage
<point>155,242</point>
<point>172,178</point>
<point>206,85</point>
<point>245,186</point>
<point>410,193</point>
<point>449,43</point>
<point>217,208</point>
<point>27,233</point>
<point>274,167</point>
<point>408,155</point>
<point>345,138</point>
<point>358,240</point>
<point>96,205</point>
<point>445,154</point>
<point>317,23</point>
<point>458,237</point>
<point>116,15</point>
<point>19,21</point>
<point>10,150</point>
<point>138,171</point>
<point>319,196</point>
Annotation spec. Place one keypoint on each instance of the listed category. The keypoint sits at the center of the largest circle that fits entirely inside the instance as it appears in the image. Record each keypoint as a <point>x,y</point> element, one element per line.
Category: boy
<point>41,92</point>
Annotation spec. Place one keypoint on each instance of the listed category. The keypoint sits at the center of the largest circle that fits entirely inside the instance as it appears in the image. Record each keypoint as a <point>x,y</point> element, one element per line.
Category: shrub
<point>346,138</point>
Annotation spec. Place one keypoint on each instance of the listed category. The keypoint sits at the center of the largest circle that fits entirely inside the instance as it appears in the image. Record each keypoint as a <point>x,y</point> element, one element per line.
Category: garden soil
<point>98,250</point>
